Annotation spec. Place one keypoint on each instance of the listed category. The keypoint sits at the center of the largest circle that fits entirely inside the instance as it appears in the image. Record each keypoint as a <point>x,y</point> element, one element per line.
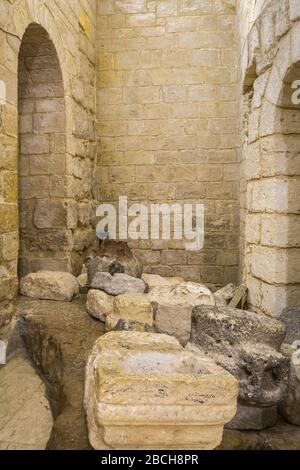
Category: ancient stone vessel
<point>114,257</point>
<point>247,345</point>
<point>144,391</point>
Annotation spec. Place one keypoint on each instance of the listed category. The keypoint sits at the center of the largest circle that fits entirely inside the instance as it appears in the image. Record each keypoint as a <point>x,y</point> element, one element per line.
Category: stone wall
<point>72,151</point>
<point>271,169</point>
<point>168,122</point>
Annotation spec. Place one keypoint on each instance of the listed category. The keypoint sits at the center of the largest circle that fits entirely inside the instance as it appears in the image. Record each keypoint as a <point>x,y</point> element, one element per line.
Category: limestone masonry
<point>175,125</point>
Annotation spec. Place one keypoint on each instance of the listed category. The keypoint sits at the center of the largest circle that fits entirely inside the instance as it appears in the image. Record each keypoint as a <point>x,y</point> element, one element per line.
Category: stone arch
<point>44,221</point>
<point>274,191</point>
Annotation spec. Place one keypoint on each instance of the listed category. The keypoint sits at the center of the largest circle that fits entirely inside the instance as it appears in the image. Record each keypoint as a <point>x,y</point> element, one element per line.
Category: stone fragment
<point>153,280</point>
<point>253,418</point>
<point>173,307</point>
<point>247,345</point>
<point>49,285</point>
<point>224,295</point>
<point>143,391</point>
<point>119,284</point>
<point>131,312</point>
<point>239,298</point>
<point>114,257</point>
<point>99,304</point>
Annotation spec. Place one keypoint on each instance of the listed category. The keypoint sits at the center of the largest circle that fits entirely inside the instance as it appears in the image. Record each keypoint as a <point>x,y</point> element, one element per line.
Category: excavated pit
<point>58,337</point>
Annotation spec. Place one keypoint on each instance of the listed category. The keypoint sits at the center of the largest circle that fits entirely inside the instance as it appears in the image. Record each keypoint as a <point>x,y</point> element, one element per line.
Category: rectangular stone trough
<point>144,391</point>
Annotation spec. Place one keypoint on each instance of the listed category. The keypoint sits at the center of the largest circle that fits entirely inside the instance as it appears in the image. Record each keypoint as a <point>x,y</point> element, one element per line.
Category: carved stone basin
<point>144,391</point>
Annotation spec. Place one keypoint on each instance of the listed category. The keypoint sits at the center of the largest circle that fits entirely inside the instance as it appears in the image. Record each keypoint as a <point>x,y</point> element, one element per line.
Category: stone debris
<point>290,407</point>
<point>131,312</point>
<point>118,284</point>
<point>155,395</point>
<point>225,295</point>
<point>247,345</point>
<point>114,257</point>
<point>239,298</point>
<point>99,304</point>
<point>153,280</point>
<point>49,285</point>
<point>173,307</point>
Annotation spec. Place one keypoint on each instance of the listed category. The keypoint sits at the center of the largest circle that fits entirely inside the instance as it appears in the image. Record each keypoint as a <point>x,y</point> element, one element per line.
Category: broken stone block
<point>131,312</point>
<point>290,407</point>
<point>143,391</point>
<point>114,257</point>
<point>119,284</point>
<point>173,306</point>
<point>99,304</point>
<point>50,285</point>
<point>254,418</point>
<point>225,295</point>
<point>153,280</point>
<point>247,345</point>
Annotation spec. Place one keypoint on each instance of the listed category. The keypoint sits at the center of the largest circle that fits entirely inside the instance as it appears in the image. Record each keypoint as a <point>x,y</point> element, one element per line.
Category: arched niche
<point>44,211</point>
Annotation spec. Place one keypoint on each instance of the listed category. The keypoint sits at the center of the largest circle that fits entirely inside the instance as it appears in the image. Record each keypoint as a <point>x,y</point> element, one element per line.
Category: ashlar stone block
<point>143,391</point>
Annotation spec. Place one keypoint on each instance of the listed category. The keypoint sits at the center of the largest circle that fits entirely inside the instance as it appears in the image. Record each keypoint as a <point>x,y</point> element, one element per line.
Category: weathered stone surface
<point>26,418</point>
<point>49,285</point>
<point>8,285</point>
<point>172,399</point>
<point>290,407</point>
<point>173,307</point>
<point>247,345</point>
<point>224,295</point>
<point>131,312</point>
<point>6,313</point>
<point>99,304</point>
<point>253,418</point>
<point>153,280</point>
<point>291,318</point>
<point>114,257</point>
<point>119,284</point>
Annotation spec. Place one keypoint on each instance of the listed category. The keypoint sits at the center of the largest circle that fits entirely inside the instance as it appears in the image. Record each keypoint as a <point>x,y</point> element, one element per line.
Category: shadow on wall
<point>44,238</point>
